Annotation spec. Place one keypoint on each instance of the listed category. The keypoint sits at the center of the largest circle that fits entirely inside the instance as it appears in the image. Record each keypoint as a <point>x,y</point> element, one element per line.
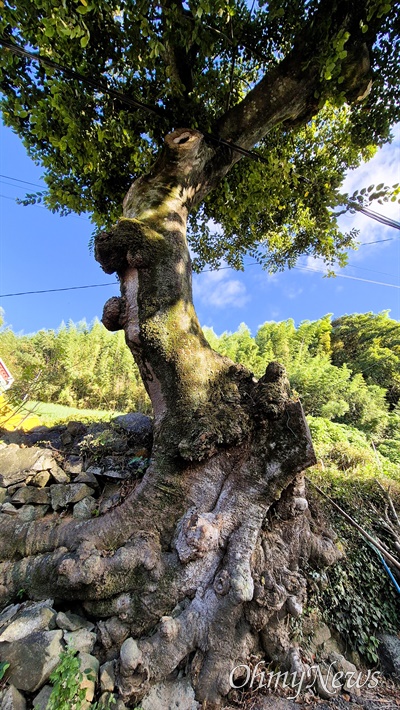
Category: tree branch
<point>289,92</point>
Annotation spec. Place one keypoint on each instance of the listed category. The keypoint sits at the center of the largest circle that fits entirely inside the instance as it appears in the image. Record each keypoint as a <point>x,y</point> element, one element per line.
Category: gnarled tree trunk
<point>210,547</point>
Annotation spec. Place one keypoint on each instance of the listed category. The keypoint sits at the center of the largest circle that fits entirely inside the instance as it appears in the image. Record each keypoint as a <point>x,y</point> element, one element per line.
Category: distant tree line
<point>346,370</point>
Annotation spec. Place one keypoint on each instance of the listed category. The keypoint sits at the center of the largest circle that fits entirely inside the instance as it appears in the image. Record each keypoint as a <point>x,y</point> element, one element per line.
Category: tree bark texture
<point>205,559</point>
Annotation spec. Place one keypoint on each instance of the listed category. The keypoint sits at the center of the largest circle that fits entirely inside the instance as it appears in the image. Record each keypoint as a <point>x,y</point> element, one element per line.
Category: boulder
<point>170,695</point>
<point>87,477</point>
<point>26,622</point>
<point>8,509</point>
<point>73,464</point>
<point>62,494</point>
<point>32,658</point>
<point>32,512</point>
<point>112,632</point>
<point>107,676</point>
<point>40,701</point>
<point>16,462</point>
<point>326,684</point>
<point>72,622</point>
<point>8,613</point>
<point>80,640</point>
<point>88,663</point>
<point>58,474</point>
<point>12,699</point>
<point>44,462</point>
<point>349,670</point>
<point>31,494</point>
<point>138,426</point>
<point>389,654</point>
<point>41,479</point>
<point>84,509</point>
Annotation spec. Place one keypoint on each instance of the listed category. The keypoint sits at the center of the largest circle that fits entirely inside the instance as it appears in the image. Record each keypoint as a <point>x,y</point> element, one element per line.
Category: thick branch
<point>287,93</point>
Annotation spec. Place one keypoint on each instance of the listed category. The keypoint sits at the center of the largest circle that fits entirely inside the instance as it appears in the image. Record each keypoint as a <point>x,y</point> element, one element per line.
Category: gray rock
<point>85,508</point>
<point>64,494</point>
<point>32,658</point>
<point>73,465</point>
<point>32,512</point>
<point>135,423</point>
<point>350,672</point>
<point>80,640</point>
<point>87,477</point>
<point>13,489</point>
<point>389,654</point>
<point>117,474</point>
<point>12,699</point>
<point>326,685</point>
<point>72,622</point>
<point>8,509</point>
<point>66,438</point>
<point>58,474</point>
<point>170,695</point>
<point>94,470</point>
<point>41,700</point>
<point>15,463</point>
<point>30,494</point>
<point>41,479</point>
<point>44,462</point>
<point>88,663</point>
<point>3,495</point>
<point>8,613</point>
<point>107,676</point>
<point>26,622</point>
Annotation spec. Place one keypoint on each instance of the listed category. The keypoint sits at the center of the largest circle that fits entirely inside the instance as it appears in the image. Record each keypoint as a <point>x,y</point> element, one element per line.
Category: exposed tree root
<point>211,554</point>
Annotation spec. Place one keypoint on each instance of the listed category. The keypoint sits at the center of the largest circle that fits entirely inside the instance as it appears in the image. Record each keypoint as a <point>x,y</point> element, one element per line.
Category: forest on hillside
<point>345,370</point>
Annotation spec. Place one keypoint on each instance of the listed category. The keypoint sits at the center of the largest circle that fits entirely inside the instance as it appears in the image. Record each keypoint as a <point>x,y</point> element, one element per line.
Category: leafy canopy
<point>193,61</point>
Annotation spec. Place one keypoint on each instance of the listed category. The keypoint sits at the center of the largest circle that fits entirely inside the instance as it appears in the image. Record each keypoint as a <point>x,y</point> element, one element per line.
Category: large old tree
<point>218,529</point>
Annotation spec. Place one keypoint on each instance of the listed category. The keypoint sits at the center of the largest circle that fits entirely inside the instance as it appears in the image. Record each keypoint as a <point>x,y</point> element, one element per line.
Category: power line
<point>380,241</point>
<point>220,268</point>
<point>347,276</point>
<point>162,113</point>
<point>35,184</point>
<point>377,216</point>
<point>42,207</point>
<point>54,290</point>
<point>132,103</point>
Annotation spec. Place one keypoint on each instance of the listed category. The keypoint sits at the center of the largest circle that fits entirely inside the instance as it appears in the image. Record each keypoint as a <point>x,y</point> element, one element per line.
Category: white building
<point>6,378</point>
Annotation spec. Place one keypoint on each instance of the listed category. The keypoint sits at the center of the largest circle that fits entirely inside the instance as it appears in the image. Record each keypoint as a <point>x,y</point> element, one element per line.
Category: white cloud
<point>220,290</point>
<point>293,293</point>
<point>383,168</point>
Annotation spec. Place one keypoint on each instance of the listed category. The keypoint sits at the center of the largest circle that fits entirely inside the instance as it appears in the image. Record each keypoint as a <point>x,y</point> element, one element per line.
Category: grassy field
<point>51,414</point>
<point>34,414</point>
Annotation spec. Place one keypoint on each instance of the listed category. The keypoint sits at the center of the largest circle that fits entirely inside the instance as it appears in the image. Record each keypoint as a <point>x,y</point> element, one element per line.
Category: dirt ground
<point>386,696</point>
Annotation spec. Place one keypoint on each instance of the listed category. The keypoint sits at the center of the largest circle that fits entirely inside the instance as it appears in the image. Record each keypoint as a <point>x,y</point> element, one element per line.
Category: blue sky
<point>39,250</point>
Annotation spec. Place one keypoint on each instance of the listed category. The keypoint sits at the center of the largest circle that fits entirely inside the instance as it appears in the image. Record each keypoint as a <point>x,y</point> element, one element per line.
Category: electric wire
<point>221,268</point>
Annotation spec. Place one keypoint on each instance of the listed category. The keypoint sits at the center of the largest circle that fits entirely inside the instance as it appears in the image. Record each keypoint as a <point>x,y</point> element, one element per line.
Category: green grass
<point>51,414</point>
